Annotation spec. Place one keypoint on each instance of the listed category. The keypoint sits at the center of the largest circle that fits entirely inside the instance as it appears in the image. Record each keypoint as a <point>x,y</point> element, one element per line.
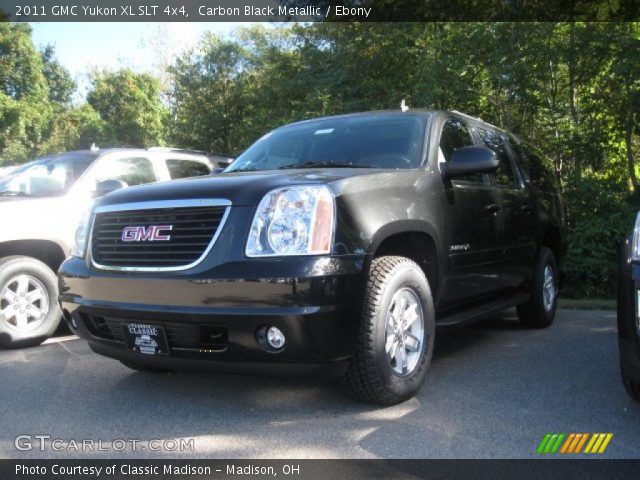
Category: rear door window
<point>181,168</point>
<point>504,176</point>
<point>520,158</point>
<point>131,170</point>
<point>539,168</point>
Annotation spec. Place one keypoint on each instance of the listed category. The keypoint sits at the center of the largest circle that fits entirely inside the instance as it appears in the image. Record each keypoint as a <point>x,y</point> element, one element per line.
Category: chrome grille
<point>193,231</point>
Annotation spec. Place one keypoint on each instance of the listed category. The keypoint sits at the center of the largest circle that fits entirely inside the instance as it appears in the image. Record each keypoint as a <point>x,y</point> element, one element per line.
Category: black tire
<point>370,376</point>
<point>533,313</point>
<point>139,367</point>
<point>632,388</point>
<point>10,335</point>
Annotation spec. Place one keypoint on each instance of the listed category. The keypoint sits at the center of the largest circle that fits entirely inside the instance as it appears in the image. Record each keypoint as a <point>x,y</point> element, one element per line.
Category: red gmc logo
<point>152,233</point>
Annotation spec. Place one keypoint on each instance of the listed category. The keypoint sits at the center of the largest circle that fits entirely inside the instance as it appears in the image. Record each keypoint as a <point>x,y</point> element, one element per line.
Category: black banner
<point>317,10</point>
<point>318,469</point>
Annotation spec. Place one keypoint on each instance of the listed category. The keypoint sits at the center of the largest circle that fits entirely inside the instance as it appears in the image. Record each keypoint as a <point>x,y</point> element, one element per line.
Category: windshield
<point>47,176</point>
<point>359,141</point>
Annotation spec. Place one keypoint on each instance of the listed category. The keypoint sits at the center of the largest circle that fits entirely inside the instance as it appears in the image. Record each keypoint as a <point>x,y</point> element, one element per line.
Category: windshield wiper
<point>15,193</point>
<point>312,164</point>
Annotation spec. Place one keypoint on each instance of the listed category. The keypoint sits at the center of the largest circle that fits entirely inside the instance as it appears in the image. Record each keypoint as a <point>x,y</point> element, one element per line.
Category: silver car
<point>41,204</point>
<point>4,171</point>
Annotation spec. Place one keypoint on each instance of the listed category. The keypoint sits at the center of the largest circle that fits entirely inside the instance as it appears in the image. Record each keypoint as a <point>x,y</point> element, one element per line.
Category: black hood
<point>241,188</point>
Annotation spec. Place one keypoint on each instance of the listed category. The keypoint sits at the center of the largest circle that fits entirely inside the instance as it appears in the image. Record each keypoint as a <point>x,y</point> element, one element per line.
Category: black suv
<point>331,244</point>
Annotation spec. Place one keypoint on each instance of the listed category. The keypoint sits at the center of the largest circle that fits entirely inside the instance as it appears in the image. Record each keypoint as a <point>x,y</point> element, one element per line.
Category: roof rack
<point>467,115</point>
<point>178,150</point>
<point>221,155</point>
<point>477,119</point>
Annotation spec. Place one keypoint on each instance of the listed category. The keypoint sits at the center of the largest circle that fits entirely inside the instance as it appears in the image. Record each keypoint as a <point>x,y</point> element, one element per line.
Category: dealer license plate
<point>146,339</point>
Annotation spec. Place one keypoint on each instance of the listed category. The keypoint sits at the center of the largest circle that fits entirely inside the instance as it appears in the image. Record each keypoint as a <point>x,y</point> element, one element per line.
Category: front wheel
<point>396,335</point>
<point>540,310</point>
<point>632,388</point>
<point>29,311</point>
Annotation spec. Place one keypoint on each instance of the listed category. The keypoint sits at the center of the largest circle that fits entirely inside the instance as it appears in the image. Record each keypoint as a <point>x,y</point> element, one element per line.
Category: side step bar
<point>481,311</point>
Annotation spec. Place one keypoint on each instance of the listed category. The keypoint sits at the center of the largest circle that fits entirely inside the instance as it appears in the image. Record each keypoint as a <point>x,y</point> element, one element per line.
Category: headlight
<point>82,235</point>
<point>293,221</point>
<point>635,243</point>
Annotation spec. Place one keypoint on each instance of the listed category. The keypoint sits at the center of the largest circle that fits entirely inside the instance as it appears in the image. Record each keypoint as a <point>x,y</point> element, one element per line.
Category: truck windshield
<point>48,176</point>
<point>385,140</point>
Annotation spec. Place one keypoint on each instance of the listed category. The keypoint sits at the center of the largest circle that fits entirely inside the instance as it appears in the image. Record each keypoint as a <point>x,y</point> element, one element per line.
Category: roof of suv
<point>97,152</point>
<point>100,151</point>
<point>411,111</point>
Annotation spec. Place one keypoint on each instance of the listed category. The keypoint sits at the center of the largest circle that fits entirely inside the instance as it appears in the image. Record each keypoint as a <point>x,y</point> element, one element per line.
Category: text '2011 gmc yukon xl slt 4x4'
<point>338,243</point>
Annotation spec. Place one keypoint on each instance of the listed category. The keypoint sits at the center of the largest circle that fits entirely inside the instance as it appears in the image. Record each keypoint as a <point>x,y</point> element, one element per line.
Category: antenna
<point>403,106</point>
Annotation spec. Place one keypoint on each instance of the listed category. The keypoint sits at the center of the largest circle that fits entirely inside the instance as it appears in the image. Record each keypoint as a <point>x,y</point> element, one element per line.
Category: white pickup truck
<point>41,204</point>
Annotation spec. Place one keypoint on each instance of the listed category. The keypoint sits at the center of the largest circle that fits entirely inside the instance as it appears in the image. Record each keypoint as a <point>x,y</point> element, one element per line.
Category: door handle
<point>493,208</point>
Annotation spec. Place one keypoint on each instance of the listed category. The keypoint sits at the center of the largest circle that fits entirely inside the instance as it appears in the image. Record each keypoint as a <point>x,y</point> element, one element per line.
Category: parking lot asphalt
<point>493,391</point>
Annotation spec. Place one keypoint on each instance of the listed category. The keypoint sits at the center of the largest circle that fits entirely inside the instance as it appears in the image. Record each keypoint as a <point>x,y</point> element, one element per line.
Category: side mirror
<point>470,161</point>
<point>107,186</point>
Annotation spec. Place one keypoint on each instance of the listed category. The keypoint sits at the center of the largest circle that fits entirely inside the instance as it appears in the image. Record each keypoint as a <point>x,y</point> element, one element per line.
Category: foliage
<point>130,103</point>
<point>209,97</point>
<point>21,75</point>
<point>75,129</point>
<point>61,85</point>
<point>24,105</point>
<point>602,213</point>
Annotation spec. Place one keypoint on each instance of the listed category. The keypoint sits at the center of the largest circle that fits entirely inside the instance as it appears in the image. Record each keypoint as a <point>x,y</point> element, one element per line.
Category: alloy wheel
<point>404,331</point>
<point>24,303</point>
<point>548,288</point>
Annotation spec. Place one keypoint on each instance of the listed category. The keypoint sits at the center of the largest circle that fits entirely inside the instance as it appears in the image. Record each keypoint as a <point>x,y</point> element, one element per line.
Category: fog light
<point>275,338</point>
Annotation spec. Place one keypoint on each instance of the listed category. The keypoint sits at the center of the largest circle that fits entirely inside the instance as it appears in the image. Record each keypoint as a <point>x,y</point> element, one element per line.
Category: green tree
<point>61,85</point>
<point>24,109</point>
<point>209,96</point>
<point>75,129</point>
<point>35,91</point>
<point>131,105</point>
<point>21,65</point>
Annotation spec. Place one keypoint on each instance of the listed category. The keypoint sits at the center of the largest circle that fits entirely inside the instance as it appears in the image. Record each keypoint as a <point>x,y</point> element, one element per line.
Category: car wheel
<point>143,368</point>
<point>540,310</point>
<point>396,335</point>
<point>29,310</point>
<point>632,388</point>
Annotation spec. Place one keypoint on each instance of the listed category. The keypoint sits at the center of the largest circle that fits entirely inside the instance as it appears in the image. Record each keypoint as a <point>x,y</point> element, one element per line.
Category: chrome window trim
<point>154,205</point>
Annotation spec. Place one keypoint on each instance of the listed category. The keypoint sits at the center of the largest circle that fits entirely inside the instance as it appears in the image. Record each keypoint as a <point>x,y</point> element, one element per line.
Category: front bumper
<point>211,317</point>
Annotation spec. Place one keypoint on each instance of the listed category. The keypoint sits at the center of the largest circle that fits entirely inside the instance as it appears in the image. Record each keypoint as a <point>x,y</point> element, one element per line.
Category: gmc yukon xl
<point>333,245</point>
